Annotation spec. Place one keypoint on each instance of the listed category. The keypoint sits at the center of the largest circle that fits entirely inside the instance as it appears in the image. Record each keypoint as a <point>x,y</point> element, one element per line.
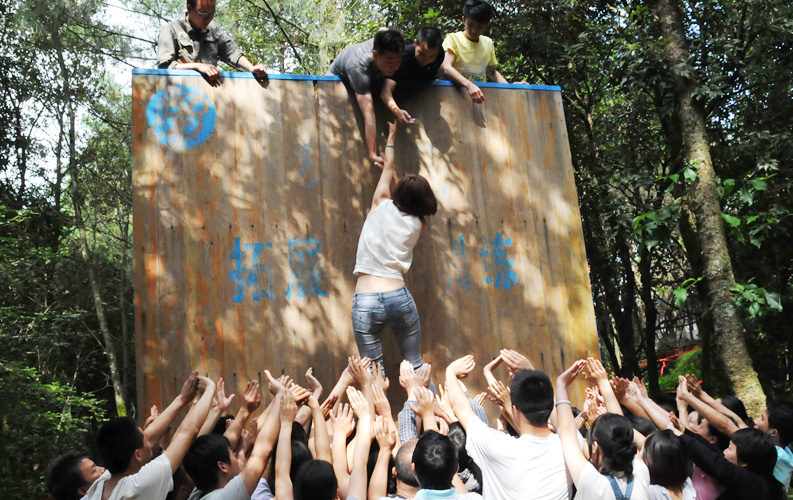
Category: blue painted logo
<point>182,117</point>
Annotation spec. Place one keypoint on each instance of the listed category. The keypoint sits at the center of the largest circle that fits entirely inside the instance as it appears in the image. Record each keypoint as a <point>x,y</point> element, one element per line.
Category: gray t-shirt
<point>356,67</point>
<point>179,42</point>
<point>234,490</point>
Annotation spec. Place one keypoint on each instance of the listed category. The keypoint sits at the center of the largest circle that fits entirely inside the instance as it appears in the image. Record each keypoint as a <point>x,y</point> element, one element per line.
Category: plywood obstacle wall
<point>248,204</point>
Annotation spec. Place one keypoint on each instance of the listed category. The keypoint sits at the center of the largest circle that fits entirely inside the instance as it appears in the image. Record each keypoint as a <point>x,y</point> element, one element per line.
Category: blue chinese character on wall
<point>256,277</point>
<point>498,267</point>
<point>304,265</point>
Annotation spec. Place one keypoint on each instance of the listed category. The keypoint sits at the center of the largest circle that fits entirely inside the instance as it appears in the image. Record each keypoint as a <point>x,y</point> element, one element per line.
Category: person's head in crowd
<point>403,470</point>
<point>427,45</point>
<point>736,406</point>
<point>71,475</point>
<point>464,461</point>
<point>315,480</point>
<point>667,459</point>
<point>532,394</point>
<point>777,422</point>
<point>387,50</point>
<point>477,15</point>
<point>122,447</point>
<point>642,425</point>
<point>300,455</point>
<point>711,433</point>
<point>210,462</point>
<point>200,13</point>
<point>611,447</point>
<point>413,195</point>
<point>222,424</point>
<point>754,450</point>
<point>434,461</point>
<point>183,485</point>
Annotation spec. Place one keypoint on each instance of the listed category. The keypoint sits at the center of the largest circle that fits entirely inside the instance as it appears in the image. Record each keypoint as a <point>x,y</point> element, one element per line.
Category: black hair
<point>64,477</point>
<point>464,461</point>
<point>532,393</point>
<point>665,401</point>
<point>315,480</point>
<point>404,458</point>
<point>736,406</point>
<point>389,40</point>
<point>371,463</point>
<point>116,442</point>
<point>667,459</point>
<point>413,195</point>
<point>299,433</point>
<point>644,426</point>
<point>722,440</point>
<point>220,426</point>
<point>431,35</point>
<point>435,461</point>
<point>614,436</point>
<point>478,10</point>
<point>755,449</point>
<point>300,455</point>
<point>202,458</point>
<point>780,417</point>
<point>180,480</point>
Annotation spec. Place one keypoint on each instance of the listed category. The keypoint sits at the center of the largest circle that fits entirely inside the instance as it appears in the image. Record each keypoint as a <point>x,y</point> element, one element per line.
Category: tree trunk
<point>704,200</point>
<point>650,318</point>
<point>109,344</point>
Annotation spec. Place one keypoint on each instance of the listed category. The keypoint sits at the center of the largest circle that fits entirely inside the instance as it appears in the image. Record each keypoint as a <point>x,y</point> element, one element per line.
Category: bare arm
<point>251,400</point>
<point>370,127</point>
<point>699,393</point>
<point>598,373</point>
<point>462,407</point>
<point>342,428</point>
<point>448,67</point>
<point>160,425</point>
<point>573,457</point>
<point>283,457</point>
<point>262,449</point>
<point>718,420</point>
<point>362,408</point>
<point>188,430</point>
<point>387,95</point>
<point>388,177</point>
<point>321,438</point>
<point>385,433</point>
<point>494,75</point>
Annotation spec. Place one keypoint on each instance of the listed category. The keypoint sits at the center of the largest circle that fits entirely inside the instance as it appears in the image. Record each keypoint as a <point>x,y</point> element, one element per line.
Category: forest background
<point>680,119</point>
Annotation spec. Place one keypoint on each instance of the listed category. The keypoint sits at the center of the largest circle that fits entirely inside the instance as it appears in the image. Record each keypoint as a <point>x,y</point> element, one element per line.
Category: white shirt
<point>592,485</point>
<point>526,467</point>
<point>152,482</point>
<point>385,247</point>
<point>658,492</point>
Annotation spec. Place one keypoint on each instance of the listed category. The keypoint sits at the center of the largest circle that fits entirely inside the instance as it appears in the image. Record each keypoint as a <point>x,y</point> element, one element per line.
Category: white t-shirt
<point>234,490</point>
<point>592,485</point>
<point>658,492</point>
<point>152,482</point>
<point>385,247</point>
<point>262,491</point>
<point>516,468</point>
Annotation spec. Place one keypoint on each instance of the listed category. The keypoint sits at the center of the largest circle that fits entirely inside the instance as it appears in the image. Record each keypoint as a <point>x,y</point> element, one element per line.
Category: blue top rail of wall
<point>331,78</point>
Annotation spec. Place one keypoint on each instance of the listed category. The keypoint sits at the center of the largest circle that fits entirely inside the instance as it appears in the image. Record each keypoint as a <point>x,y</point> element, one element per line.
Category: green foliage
<point>39,420</point>
<point>757,300</point>
<point>690,362</point>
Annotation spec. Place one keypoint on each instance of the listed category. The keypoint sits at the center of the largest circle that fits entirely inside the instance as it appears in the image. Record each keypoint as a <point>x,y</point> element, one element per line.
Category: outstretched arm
<point>262,448</point>
<point>494,75</point>
<point>160,425</point>
<point>188,429</point>
<point>573,457</point>
<point>458,369</point>
<point>388,177</point>
<point>724,424</point>
<point>283,457</point>
<point>448,67</point>
<point>370,127</point>
<point>387,95</point>
<point>598,374</point>
<point>250,402</point>
<point>362,407</point>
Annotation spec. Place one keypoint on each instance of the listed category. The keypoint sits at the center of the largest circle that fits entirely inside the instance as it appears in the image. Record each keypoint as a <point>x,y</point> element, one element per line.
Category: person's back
<point>530,466</point>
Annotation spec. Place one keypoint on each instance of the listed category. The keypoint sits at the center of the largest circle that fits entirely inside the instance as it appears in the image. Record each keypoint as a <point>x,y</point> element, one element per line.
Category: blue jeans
<point>371,312</point>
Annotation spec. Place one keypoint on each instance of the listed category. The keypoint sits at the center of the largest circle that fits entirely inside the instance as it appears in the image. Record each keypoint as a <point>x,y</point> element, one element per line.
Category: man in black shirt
<point>421,61</point>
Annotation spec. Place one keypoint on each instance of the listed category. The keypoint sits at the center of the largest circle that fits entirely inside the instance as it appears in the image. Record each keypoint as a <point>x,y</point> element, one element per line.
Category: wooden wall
<point>246,229</point>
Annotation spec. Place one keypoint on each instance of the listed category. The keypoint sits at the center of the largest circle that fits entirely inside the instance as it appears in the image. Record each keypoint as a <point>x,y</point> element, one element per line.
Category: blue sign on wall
<point>181,116</point>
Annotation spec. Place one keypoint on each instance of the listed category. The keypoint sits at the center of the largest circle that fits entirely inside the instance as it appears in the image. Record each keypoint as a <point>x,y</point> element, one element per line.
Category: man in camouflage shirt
<point>196,42</point>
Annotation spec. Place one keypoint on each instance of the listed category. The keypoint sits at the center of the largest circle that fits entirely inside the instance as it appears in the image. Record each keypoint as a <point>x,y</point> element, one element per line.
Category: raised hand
<point>223,402</point>
<point>515,361</point>
<point>342,420</point>
<point>480,398</point>
<point>189,388</point>
<point>252,397</point>
<point>327,405</point>
<point>407,376</point>
<point>693,386</point>
<point>424,400</point>
<point>248,437</point>
<point>274,385</point>
<point>384,432</point>
<point>381,404</point>
<point>568,376</point>
<point>358,403</point>
<point>634,392</point>
<point>153,414</point>
<point>301,394</point>
<point>424,374</point>
<point>488,369</point>
<point>620,387</point>
<point>445,405</point>
<point>359,370</point>
<point>288,409</point>
<point>462,367</point>
<point>642,388</point>
<point>499,394</point>
<point>595,371</point>
<point>313,383</point>
<point>379,380</point>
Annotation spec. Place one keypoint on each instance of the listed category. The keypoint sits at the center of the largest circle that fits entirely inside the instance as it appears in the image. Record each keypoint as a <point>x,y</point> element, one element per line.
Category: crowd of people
<point>622,444</point>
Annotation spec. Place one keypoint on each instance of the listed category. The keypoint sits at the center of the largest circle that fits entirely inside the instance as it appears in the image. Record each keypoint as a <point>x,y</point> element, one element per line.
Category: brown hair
<point>413,195</point>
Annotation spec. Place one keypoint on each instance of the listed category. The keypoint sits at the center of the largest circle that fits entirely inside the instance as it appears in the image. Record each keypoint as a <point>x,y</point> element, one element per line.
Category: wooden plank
<point>284,176</point>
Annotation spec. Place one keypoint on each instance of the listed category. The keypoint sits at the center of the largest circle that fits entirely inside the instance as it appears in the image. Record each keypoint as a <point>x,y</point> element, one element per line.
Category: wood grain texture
<point>245,234</point>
